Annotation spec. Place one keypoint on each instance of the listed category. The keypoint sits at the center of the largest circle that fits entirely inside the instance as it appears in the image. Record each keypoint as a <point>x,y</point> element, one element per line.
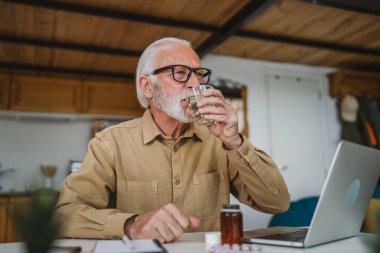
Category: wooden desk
<point>194,243</point>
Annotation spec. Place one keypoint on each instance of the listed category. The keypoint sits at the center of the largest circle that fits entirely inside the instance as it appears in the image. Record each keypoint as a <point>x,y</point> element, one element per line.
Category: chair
<point>299,213</point>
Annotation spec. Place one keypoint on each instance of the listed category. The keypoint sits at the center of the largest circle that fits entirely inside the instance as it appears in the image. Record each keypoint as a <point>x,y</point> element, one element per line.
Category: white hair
<point>146,64</point>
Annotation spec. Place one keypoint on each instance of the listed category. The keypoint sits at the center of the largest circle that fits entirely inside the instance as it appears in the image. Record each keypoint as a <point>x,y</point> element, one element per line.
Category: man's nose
<point>193,81</point>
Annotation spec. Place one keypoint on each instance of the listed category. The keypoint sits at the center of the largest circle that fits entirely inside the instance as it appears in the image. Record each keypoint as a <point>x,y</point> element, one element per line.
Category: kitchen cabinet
<point>30,93</point>
<point>64,95</point>
<point>4,91</point>
<point>9,204</point>
<point>4,203</point>
<point>355,83</point>
<point>114,98</point>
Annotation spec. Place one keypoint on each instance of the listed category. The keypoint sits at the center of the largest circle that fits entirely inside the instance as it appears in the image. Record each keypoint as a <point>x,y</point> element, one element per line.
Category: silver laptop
<point>342,205</point>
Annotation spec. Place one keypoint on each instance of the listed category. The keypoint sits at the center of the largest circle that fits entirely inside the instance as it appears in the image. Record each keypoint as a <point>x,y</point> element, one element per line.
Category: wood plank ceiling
<point>105,38</point>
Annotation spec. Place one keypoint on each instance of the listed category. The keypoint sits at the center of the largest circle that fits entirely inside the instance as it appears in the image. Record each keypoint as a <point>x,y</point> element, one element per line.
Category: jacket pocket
<point>137,196</point>
<point>210,194</point>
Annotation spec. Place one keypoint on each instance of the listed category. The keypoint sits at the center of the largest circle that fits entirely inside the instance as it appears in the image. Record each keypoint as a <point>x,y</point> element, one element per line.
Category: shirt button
<point>246,151</point>
<point>177,181</point>
<point>175,148</point>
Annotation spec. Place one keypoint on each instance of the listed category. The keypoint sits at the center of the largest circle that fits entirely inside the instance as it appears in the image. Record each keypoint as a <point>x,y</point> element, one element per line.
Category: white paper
<point>117,246</point>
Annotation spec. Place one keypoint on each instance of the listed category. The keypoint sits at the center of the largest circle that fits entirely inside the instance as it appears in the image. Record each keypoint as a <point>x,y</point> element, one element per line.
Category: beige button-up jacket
<point>132,168</point>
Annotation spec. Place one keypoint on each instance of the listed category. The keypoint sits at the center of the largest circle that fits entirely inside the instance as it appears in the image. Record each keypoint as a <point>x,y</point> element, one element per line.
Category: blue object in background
<point>376,195</point>
<point>299,213</point>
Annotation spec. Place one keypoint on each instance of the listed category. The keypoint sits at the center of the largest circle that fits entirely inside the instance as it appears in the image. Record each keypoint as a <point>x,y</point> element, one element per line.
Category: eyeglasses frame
<point>192,70</point>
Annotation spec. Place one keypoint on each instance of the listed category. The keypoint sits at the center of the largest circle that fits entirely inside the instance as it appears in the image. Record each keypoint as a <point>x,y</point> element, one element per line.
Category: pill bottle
<point>231,224</point>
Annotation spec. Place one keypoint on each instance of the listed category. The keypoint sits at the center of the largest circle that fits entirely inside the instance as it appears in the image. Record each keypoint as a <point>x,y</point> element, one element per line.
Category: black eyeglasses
<point>182,73</point>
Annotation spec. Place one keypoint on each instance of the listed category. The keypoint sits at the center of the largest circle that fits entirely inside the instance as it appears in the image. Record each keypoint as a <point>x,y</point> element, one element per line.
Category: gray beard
<point>171,105</point>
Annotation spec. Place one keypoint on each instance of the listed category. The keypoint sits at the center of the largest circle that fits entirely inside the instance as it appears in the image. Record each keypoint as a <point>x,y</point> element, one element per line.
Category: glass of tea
<point>192,101</point>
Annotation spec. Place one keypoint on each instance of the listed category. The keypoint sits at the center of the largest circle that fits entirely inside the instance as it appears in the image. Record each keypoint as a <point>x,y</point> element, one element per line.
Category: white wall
<point>26,144</point>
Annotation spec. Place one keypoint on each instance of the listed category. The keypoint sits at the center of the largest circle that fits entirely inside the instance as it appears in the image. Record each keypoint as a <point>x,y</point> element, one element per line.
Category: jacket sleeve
<point>83,204</point>
<point>255,179</point>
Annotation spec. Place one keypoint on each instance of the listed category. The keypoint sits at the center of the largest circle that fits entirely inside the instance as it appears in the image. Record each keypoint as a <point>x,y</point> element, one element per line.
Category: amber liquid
<point>199,119</point>
<point>231,227</point>
<point>192,101</point>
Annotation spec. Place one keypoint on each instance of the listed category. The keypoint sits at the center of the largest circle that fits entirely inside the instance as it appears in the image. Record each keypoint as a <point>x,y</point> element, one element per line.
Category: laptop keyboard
<point>295,236</point>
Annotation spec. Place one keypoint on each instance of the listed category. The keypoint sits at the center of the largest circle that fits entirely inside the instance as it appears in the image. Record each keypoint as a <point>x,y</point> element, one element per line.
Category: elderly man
<point>161,175</point>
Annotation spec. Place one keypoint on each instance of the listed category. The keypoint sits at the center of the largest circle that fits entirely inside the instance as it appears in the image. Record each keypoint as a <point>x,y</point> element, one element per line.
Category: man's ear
<point>146,86</point>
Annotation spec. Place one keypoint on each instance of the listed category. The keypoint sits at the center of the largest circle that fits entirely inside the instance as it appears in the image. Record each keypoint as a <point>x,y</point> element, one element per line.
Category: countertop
<point>8,194</point>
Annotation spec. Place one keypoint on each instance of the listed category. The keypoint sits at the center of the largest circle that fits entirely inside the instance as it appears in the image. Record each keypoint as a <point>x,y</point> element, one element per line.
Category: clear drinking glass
<point>192,101</point>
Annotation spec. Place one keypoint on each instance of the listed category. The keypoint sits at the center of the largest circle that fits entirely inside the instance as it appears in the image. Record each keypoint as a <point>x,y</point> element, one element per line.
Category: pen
<point>127,242</point>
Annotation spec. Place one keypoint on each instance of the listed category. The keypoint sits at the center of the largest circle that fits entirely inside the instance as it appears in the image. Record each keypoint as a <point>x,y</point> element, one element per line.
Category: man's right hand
<point>165,224</point>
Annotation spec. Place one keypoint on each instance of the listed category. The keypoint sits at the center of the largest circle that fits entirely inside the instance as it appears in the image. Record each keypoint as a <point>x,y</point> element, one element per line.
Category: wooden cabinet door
<point>21,203</point>
<point>354,83</point>
<point>4,91</point>
<point>31,93</point>
<point>4,201</point>
<point>111,98</point>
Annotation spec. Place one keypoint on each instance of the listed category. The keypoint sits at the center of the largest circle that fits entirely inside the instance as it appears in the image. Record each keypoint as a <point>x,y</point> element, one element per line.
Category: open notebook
<point>344,200</point>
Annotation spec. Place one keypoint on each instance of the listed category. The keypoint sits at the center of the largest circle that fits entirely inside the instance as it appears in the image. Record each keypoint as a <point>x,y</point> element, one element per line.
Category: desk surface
<point>194,243</point>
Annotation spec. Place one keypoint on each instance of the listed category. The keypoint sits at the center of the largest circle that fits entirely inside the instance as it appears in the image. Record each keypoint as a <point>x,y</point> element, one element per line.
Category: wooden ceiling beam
<point>69,46</point>
<point>115,14</point>
<point>245,34</point>
<point>220,34</point>
<point>363,6</point>
<point>245,15</point>
<point>60,70</point>
<point>309,43</point>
